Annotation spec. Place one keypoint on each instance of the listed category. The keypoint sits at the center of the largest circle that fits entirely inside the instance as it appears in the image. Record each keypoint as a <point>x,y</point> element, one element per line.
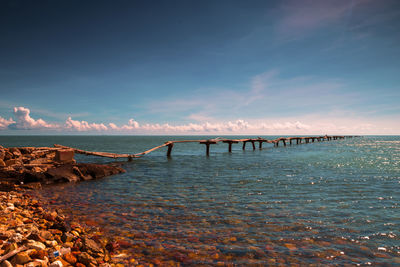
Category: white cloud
<point>25,122</point>
<point>339,122</point>
<point>4,123</point>
<point>83,126</point>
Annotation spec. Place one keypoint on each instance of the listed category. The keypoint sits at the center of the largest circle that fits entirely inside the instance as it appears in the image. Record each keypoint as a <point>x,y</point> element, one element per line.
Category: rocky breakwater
<point>32,236</point>
<point>46,165</point>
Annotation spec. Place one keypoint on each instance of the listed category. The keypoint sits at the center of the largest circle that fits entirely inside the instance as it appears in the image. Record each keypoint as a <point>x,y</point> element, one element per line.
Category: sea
<point>323,203</point>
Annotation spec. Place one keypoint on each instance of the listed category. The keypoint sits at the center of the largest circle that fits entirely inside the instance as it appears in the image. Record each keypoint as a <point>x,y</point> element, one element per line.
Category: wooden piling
<point>170,146</point>
<point>230,142</point>
<point>254,146</point>
<point>208,143</point>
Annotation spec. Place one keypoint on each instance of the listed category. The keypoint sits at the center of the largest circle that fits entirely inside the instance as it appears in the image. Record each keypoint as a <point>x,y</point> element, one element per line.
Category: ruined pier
<point>208,142</point>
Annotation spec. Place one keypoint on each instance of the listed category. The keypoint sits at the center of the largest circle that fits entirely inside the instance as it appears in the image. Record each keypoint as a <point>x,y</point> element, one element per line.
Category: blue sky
<point>200,67</point>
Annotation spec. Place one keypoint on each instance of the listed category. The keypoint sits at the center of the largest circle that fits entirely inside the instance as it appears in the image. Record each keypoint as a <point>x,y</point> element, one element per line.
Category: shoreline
<point>31,234</point>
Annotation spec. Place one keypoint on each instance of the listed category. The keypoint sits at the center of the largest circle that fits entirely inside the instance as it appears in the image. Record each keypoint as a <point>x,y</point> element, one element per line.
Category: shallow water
<point>333,202</point>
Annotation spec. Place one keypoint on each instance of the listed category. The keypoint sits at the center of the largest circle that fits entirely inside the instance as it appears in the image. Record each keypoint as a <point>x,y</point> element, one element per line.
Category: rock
<point>13,162</point>
<point>7,155</point>
<point>10,206</point>
<point>7,186</point>
<point>56,263</point>
<point>40,161</point>
<point>38,254</point>
<point>86,259</point>
<point>6,263</point>
<point>98,170</point>
<point>26,150</point>
<point>61,225</point>
<point>64,155</point>
<point>21,258</point>
<point>63,173</point>
<point>36,245</point>
<point>34,264</point>
<point>15,151</point>
<point>37,169</point>
<point>91,246</point>
<point>46,235</point>
<point>68,237</point>
<point>2,163</point>
<point>33,186</point>
<point>51,243</point>
<point>2,153</point>
<point>70,258</point>
<point>17,237</point>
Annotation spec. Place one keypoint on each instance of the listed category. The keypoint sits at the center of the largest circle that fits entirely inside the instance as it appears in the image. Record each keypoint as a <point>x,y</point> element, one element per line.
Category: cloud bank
<point>314,125</point>
<point>25,122</point>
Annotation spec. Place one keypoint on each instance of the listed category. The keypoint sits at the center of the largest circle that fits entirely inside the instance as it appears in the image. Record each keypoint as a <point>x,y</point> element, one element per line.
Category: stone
<point>6,263</point>
<point>13,162</point>
<point>17,237</point>
<point>68,237</point>
<point>91,245</point>
<point>85,258</point>
<point>36,245</point>
<point>2,153</point>
<point>10,206</point>
<point>15,151</point>
<point>63,173</point>
<point>51,243</point>
<point>56,263</point>
<point>69,257</point>
<point>33,264</point>
<point>43,263</point>
<point>33,186</point>
<point>2,163</point>
<point>38,254</point>
<point>21,258</point>
<point>64,155</point>
<point>7,186</point>
<point>7,155</point>
<point>46,235</point>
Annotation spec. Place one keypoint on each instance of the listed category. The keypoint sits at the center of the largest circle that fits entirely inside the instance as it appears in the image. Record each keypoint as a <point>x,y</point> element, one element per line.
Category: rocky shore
<point>45,165</point>
<point>31,234</point>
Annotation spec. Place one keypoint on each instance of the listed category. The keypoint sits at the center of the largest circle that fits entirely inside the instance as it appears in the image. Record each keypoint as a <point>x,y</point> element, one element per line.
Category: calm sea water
<point>333,202</point>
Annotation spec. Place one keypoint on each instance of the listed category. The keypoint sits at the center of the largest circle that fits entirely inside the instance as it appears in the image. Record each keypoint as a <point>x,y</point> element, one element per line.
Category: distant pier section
<point>253,141</point>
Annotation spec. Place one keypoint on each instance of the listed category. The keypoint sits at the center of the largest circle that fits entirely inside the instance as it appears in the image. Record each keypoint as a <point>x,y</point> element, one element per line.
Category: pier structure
<point>170,145</point>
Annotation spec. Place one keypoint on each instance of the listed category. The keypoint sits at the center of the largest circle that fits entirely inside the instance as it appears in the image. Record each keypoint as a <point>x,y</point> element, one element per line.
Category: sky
<point>200,67</point>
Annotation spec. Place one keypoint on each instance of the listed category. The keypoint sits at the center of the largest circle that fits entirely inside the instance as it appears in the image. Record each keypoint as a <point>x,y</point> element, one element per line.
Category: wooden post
<point>260,144</point>
<point>244,145</point>
<point>284,142</point>
<point>297,141</point>
<point>290,141</point>
<point>207,143</point>
<point>170,146</point>
<point>230,142</point>
<point>254,146</point>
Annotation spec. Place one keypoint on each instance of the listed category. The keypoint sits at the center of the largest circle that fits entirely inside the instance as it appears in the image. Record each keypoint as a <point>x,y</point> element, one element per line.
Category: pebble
<point>56,264</point>
<point>36,245</point>
<point>21,217</point>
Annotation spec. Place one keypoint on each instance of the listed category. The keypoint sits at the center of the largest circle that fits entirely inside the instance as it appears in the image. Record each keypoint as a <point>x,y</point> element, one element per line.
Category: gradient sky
<point>200,67</point>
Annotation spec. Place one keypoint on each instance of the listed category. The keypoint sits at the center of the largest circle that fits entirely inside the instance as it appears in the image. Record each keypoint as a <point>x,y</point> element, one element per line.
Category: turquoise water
<point>333,202</point>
